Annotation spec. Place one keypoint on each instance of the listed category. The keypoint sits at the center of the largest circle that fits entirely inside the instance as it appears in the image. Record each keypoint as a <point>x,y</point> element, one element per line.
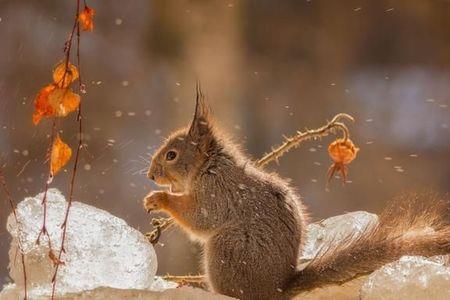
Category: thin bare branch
<point>13,209</point>
<point>76,27</point>
<point>43,231</point>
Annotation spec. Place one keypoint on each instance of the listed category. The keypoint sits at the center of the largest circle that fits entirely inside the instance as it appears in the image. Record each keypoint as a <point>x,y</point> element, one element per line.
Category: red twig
<point>13,208</point>
<point>68,43</point>
<point>80,143</point>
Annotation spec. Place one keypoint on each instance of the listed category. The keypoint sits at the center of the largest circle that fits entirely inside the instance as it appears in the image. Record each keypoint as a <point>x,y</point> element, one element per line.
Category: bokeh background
<point>268,68</point>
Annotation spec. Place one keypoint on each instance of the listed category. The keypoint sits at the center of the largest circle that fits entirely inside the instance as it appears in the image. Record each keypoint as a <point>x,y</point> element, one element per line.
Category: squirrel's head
<point>182,154</point>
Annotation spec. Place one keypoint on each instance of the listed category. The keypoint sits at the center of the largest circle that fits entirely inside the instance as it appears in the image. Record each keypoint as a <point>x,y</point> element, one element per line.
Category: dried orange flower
<point>342,152</point>
<point>64,74</point>
<point>52,101</point>
<point>86,18</point>
<point>60,155</point>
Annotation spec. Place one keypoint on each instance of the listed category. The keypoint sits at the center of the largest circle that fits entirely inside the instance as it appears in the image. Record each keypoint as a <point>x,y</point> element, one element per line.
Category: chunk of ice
<point>333,230</point>
<point>412,278</point>
<point>159,284</point>
<point>101,249</point>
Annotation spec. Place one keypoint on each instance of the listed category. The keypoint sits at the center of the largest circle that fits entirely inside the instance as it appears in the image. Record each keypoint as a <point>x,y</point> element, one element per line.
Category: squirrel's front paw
<point>154,200</point>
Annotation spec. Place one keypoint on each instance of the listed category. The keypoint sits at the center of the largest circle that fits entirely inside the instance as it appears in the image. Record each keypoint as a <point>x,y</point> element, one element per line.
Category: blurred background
<point>268,68</point>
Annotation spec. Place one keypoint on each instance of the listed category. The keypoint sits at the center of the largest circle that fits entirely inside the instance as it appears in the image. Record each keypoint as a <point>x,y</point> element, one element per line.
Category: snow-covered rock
<point>412,278</point>
<point>101,249</point>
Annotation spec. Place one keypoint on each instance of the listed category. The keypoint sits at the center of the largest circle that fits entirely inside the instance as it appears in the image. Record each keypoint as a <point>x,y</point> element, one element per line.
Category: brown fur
<point>251,223</point>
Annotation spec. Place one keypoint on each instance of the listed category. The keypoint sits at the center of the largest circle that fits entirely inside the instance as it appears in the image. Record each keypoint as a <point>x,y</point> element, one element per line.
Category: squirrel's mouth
<point>173,189</point>
<point>173,186</point>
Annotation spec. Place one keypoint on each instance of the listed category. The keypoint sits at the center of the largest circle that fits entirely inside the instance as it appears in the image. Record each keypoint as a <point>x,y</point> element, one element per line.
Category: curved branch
<point>296,140</point>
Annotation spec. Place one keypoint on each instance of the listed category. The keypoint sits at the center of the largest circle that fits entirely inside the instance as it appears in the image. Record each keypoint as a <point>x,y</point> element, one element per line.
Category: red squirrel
<point>252,224</point>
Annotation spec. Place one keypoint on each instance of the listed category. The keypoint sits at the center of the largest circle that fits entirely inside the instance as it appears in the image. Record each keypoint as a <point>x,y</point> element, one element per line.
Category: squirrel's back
<point>256,225</point>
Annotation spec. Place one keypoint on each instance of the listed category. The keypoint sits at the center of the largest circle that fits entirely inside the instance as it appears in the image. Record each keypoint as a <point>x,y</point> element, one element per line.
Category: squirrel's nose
<point>150,175</point>
<point>154,171</point>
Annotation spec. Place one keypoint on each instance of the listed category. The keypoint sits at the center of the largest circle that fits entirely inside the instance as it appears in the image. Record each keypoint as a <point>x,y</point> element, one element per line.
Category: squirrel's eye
<point>171,155</point>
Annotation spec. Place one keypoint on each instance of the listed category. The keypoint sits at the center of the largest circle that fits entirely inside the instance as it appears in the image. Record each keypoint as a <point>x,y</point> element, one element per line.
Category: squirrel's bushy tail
<point>413,224</point>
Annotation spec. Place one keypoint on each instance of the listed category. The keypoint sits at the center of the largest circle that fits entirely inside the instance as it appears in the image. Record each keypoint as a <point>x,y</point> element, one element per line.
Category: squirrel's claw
<point>150,204</point>
<point>150,209</point>
<point>153,201</point>
<point>154,235</point>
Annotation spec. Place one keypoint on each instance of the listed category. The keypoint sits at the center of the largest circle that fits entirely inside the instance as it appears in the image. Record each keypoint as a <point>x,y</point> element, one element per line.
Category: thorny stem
<point>79,146</point>
<point>296,140</point>
<point>289,143</point>
<point>13,208</point>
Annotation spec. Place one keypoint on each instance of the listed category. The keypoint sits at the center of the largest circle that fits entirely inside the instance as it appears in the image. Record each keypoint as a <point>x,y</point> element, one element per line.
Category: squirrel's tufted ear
<point>200,130</point>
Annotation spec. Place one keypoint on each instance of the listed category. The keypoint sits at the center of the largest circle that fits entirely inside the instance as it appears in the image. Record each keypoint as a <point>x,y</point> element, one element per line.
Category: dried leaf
<point>41,107</point>
<point>64,74</point>
<point>53,101</point>
<point>64,101</point>
<point>60,155</point>
<point>86,19</point>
